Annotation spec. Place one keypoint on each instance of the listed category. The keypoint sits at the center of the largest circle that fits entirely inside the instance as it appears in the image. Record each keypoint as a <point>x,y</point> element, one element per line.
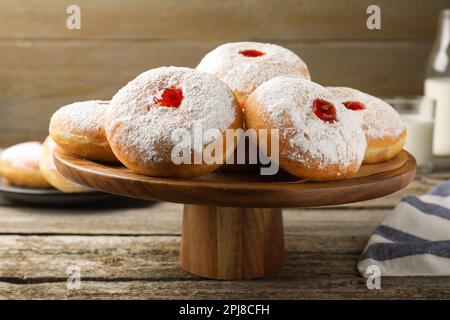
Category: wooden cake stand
<point>232,222</point>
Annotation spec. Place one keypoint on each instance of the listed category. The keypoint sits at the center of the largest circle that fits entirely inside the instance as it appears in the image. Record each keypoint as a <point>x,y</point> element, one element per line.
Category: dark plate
<point>49,197</point>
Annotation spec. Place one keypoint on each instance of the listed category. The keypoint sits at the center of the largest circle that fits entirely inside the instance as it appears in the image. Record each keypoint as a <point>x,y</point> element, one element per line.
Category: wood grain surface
<point>231,243</point>
<point>130,251</point>
<point>242,189</point>
<point>226,243</point>
<point>44,66</point>
<point>37,78</point>
<point>205,20</point>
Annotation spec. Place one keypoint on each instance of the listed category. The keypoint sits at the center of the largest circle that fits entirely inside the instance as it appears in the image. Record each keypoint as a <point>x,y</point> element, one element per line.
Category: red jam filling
<point>251,53</point>
<point>354,105</point>
<point>324,110</point>
<point>169,97</point>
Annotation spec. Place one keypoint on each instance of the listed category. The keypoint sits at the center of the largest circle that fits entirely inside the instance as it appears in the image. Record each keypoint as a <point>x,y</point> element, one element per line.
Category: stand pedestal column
<point>231,243</point>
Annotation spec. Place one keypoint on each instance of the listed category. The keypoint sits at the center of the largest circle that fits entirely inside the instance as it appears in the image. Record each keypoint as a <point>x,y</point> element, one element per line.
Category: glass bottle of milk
<point>437,86</point>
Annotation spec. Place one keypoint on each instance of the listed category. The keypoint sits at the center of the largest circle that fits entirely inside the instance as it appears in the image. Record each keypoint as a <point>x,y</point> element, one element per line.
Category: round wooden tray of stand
<point>232,221</point>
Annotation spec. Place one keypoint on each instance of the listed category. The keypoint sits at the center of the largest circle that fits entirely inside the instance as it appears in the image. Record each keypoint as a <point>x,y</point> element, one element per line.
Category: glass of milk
<point>417,114</point>
<point>437,85</point>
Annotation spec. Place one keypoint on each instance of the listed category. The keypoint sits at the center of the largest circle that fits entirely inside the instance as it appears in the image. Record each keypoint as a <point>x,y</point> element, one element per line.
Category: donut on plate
<point>51,174</point>
<point>150,115</point>
<point>78,128</point>
<point>19,166</point>
<point>384,129</point>
<point>246,65</point>
<point>319,139</point>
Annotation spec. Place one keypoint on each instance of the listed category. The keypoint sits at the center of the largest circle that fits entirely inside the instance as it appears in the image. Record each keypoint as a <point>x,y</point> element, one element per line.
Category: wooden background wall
<point>43,65</point>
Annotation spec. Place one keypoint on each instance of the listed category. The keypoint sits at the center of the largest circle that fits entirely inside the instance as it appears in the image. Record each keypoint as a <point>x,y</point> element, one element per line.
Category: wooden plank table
<point>129,250</point>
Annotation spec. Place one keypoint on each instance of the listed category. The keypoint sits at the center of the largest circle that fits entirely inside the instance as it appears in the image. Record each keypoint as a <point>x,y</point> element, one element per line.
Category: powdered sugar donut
<point>51,174</point>
<point>384,129</point>
<point>19,165</point>
<point>319,139</point>
<point>163,110</point>
<point>78,128</point>
<point>246,65</point>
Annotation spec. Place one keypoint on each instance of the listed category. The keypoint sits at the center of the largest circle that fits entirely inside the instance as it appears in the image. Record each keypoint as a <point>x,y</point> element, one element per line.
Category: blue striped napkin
<point>414,239</point>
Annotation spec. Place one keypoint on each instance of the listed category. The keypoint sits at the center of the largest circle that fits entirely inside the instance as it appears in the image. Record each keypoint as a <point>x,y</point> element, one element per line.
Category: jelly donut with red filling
<point>384,129</point>
<point>319,139</point>
<point>246,65</point>
<point>147,116</point>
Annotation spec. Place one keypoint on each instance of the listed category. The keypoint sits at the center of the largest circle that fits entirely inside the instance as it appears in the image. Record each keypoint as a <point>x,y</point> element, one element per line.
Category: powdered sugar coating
<point>379,118</point>
<point>145,129</point>
<point>288,103</point>
<point>23,155</point>
<point>245,74</point>
<point>85,116</point>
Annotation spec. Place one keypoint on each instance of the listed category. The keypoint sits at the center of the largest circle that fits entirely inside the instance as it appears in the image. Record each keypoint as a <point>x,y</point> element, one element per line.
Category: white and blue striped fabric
<point>414,239</point>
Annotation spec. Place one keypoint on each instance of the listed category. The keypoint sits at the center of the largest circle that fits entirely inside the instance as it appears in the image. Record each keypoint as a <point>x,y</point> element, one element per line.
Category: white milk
<point>419,130</point>
<point>439,89</point>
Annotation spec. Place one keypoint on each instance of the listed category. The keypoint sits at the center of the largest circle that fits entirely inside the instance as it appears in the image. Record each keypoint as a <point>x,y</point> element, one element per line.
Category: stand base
<point>223,242</point>
<point>229,243</point>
